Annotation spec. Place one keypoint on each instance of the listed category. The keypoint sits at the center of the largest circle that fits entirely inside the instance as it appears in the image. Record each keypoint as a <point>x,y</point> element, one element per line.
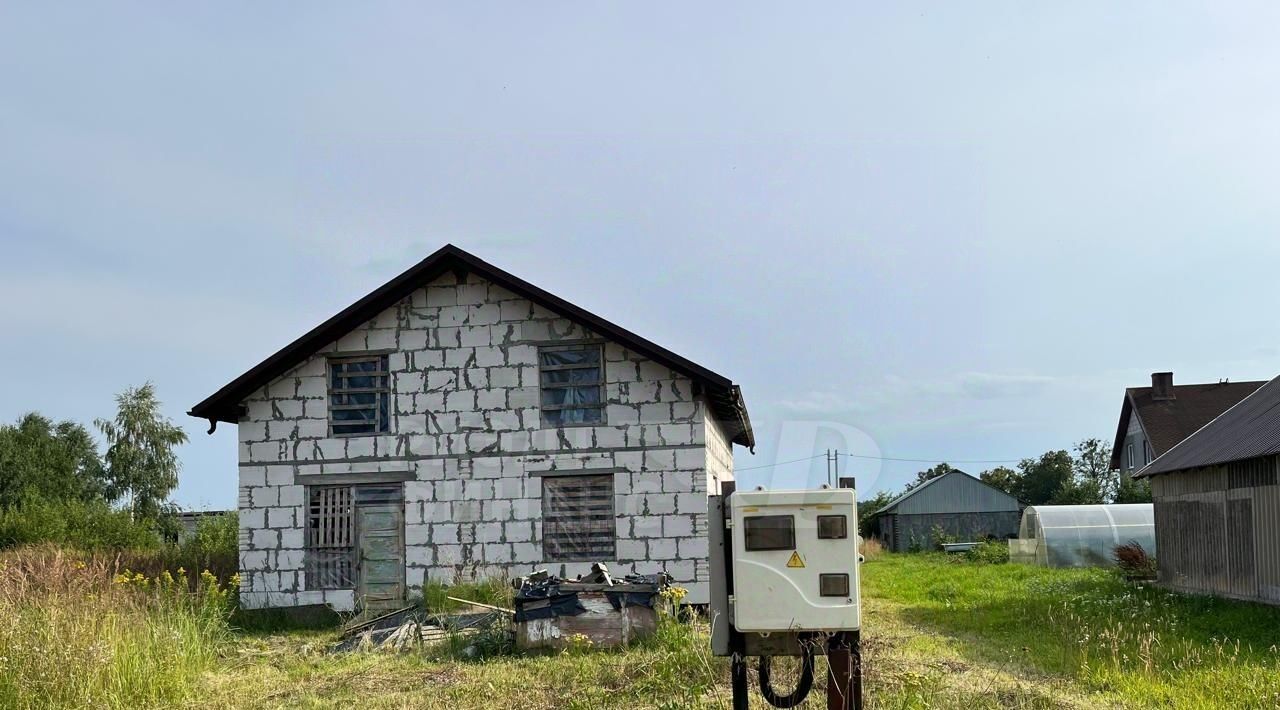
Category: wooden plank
<point>482,606</point>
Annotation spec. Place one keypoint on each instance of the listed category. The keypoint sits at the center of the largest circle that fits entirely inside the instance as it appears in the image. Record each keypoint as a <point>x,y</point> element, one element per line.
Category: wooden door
<point>380,546</point>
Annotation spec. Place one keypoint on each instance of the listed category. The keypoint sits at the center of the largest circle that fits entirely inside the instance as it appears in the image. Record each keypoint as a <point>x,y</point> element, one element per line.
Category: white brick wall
<point>465,422</point>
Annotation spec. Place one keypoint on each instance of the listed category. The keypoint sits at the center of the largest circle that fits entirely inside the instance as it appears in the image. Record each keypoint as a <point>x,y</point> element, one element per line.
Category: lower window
<point>577,518</point>
<point>331,537</point>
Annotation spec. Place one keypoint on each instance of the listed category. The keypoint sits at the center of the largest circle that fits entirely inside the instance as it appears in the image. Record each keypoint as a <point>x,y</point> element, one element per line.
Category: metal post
<point>737,643</point>
<point>856,652</point>
<point>839,673</point>
<point>738,680</point>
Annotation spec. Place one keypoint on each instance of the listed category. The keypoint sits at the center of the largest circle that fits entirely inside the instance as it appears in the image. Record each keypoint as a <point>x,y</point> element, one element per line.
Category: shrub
<point>994,552</point>
<point>870,548</point>
<point>939,537</point>
<point>81,525</point>
<point>1133,561</point>
<point>215,546</point>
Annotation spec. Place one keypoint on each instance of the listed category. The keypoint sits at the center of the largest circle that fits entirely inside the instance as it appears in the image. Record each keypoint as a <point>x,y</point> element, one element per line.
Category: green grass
<point>672,670</point>
<point>939,632</point>
<point>1136,644</point>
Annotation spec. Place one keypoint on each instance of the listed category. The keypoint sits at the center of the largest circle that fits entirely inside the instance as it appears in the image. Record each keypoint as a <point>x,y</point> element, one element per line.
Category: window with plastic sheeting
<point>359,395</point>
<point>330,552</point>
<point>572,382</point>
<point>578,519</point>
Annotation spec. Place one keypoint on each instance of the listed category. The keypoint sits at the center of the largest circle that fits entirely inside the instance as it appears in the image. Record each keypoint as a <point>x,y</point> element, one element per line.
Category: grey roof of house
<point>1249,429</point>
<point>983,497</point>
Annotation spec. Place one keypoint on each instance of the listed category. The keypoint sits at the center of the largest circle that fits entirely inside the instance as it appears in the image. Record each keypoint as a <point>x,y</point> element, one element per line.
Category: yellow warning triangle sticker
<point>795,560</point>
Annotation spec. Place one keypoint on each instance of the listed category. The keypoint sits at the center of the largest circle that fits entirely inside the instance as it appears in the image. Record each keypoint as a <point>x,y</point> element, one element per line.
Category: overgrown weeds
<point>494,592</point>
<point>1134,562</point>
<point>80,631</point>
<point>989,552</point>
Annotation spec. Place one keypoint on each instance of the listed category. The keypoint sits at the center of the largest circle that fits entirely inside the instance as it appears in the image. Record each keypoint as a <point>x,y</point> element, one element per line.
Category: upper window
<point>1146,452</point>
<point>359,395</point>
<point>572,378</point>
<point>1128,452</point>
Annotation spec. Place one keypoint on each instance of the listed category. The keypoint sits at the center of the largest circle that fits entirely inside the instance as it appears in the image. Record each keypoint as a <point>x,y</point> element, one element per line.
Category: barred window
<point>572,378</point>
<point>331,548</point>
<point>359,395</point>
<point>577,518</point>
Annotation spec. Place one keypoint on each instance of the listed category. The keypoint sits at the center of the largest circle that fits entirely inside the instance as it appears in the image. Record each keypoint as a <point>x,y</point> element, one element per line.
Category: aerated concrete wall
<point>466,429</point>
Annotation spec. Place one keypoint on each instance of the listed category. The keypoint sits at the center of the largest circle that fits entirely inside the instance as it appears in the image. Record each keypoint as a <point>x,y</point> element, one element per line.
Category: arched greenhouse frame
<point>1081,535</point>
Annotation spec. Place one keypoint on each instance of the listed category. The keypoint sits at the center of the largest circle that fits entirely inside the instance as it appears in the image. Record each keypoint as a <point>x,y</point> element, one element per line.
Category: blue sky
<point>936,231</point>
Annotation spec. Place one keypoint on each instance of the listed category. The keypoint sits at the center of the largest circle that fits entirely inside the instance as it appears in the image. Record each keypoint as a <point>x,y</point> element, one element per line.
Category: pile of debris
<point>551,612</point>
<point>412,629</point>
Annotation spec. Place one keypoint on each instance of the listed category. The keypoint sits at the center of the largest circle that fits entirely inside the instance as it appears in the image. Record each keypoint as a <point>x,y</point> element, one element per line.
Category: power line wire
<point>878,458</point>
<point>780,463</point>
<point>890,458</point>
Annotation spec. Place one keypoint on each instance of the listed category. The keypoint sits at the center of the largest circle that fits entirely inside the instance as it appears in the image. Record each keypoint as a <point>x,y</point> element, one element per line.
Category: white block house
<point>460,423</point>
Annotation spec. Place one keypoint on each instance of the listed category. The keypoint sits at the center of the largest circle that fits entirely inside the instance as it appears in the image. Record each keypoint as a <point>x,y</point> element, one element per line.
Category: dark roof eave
<point>1126,411</point>
<point>225,404</point>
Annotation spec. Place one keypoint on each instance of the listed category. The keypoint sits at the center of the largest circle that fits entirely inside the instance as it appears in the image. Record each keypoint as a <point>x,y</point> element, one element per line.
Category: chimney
<point>1162,386</point>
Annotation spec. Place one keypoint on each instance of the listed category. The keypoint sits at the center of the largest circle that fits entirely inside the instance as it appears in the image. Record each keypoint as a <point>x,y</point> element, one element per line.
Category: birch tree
<point>142,466</point>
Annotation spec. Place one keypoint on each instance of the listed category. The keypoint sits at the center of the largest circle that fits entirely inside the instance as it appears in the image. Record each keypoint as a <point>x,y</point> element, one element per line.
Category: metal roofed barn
<point>960,505</point>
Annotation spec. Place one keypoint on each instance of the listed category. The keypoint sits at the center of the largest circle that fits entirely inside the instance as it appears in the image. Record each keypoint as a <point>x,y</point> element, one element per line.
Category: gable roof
<point>923,486</point>
<point>224,405</point>
<point>1249,429</point>
<point>1168,422</point>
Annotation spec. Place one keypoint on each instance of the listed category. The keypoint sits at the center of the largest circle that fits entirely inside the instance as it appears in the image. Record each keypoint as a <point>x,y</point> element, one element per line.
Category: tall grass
<point>1152,647</point>
<point>78,632</point>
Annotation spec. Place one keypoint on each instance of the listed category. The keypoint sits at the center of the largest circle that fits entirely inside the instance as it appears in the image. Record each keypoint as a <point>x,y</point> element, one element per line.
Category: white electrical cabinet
<point>795,560</point>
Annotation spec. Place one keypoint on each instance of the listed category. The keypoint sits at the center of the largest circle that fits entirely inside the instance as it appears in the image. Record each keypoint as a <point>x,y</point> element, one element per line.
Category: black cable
<point>803,686</point>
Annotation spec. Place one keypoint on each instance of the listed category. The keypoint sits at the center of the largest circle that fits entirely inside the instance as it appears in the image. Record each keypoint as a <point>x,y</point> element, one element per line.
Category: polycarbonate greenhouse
<point>1081,535</point>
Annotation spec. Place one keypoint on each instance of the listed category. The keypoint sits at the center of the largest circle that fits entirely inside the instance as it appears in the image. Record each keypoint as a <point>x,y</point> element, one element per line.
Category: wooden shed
<point>959,504</point>
<point>1217,504</point>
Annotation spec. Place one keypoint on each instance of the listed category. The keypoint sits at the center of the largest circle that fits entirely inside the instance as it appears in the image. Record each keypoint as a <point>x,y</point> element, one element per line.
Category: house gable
<point>225,405</point>
<point>464,378</point>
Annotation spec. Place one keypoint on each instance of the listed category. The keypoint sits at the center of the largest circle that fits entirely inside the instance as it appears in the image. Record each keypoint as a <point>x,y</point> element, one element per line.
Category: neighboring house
<point>1153,419</point>
<point>1217,503</point>
<point>955,502</point>
<point>189,520</point>
<point>460,422</point>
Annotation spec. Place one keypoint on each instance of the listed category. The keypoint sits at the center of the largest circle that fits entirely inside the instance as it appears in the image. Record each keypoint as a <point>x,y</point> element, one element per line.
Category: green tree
<point>1092,468</point>
<point>1078,491</point>
<point>43,460</point>
<point>869,505</point>
<point>1040,479</point>
<point>1133,491</point>
<point>930,474</point>
<point>141,463</point>
<point>1004,478</point>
